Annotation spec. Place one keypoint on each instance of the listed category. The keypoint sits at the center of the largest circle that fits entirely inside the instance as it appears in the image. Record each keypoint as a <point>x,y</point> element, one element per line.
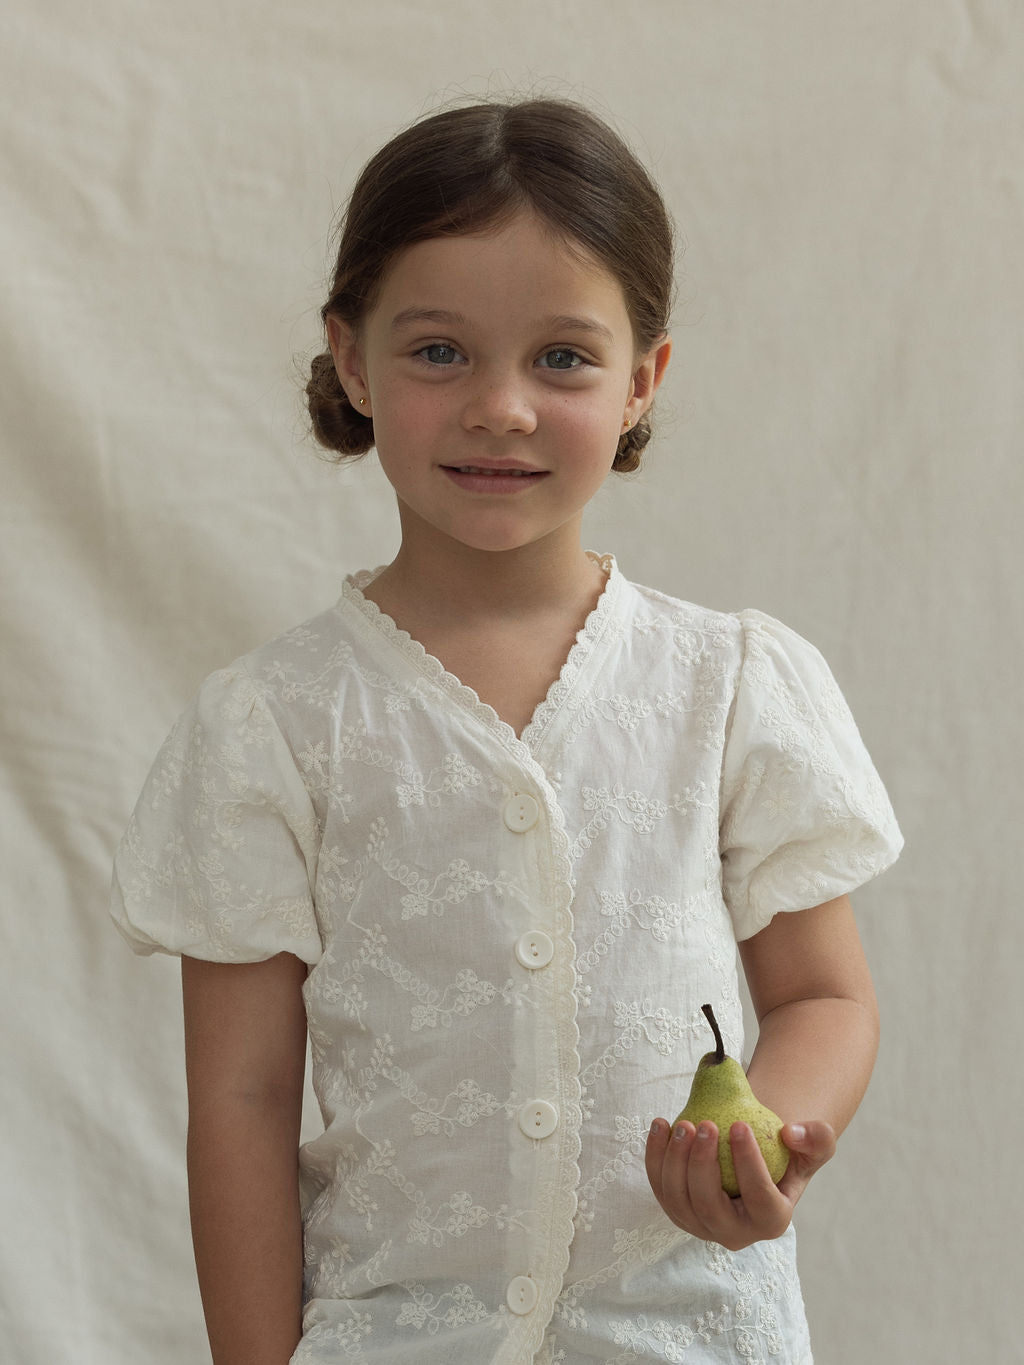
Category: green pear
<point>721,1094</point>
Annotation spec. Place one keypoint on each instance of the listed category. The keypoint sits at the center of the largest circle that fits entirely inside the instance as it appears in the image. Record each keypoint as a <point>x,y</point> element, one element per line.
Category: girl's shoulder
<point>755,651</point>
<point>311,638</point>
<point>315,642</point>
<point>653,609</point>
<point>652,604</point>
<point>275,678</point>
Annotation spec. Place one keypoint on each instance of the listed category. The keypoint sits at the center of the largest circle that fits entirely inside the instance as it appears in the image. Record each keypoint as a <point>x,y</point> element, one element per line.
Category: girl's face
<point>499,370</point>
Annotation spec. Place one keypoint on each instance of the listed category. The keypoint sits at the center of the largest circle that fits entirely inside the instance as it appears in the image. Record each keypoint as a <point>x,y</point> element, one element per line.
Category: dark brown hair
<point>468,169</point>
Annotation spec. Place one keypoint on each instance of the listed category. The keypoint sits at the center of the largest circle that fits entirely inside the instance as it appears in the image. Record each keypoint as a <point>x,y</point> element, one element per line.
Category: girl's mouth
<point>483,479</point>
<point>492,473</point>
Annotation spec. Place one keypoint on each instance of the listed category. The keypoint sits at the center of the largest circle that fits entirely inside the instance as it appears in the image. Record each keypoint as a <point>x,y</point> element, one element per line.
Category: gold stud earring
<point>362,402</point>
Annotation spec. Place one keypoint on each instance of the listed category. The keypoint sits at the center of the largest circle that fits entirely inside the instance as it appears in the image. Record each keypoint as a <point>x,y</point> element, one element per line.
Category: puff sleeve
<point>804,815</point>
<point>219,857</point>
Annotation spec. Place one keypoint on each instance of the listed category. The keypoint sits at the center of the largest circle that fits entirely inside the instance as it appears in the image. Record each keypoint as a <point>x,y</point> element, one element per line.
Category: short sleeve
<point>804,815</point>
<point>219,856</point>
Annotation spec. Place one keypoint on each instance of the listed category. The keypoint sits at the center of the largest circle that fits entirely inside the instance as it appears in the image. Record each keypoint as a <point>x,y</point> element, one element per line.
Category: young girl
<point>490,828</point>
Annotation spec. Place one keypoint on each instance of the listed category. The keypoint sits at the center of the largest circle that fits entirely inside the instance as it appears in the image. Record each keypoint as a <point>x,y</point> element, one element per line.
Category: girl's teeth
<point>470,469</point>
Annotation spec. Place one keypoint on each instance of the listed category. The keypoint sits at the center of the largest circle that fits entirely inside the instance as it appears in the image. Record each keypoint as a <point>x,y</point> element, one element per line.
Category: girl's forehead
<point>521,259</point>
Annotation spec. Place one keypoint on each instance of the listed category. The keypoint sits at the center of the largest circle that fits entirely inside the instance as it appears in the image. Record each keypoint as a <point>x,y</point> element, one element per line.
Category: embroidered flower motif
<point>629,711</point>
<point>660,1339</point>
<point>424,1310</point>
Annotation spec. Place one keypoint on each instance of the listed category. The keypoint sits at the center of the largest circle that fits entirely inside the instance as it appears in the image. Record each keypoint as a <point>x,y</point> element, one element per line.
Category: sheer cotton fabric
<point>509,941</point>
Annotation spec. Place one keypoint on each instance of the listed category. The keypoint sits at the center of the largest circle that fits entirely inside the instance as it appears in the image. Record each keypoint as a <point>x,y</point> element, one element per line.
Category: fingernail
<point>797,1132</point>
<point>704,1131</point>
<point>656,1128</point>
<point>679,1133</point>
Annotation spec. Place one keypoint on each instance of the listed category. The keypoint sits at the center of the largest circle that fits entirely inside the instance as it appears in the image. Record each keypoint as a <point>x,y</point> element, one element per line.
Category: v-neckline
<point>416,653</point>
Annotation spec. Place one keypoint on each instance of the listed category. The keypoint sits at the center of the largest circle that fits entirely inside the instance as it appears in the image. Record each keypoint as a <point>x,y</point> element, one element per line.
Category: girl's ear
<point>646,378</point>
<point>348,363</point>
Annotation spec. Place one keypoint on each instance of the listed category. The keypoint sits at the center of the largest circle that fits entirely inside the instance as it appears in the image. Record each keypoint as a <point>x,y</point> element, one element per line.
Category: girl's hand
<point>682,1166</point>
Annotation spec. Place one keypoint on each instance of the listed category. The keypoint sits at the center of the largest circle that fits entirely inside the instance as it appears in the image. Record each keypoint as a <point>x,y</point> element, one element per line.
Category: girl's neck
<point>455,582</point>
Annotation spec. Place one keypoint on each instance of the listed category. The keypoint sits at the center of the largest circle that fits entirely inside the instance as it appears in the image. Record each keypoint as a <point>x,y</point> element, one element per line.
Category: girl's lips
<point>491,469</point>
<point>483,479</point>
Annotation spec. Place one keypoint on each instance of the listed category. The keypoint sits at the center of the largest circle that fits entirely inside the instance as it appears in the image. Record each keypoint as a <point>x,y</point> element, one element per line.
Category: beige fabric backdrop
<point>840,446</point>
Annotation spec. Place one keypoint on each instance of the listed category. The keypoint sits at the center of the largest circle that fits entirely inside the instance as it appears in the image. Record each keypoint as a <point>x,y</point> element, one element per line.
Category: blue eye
<point>561,358</point>
<point>439,353</point>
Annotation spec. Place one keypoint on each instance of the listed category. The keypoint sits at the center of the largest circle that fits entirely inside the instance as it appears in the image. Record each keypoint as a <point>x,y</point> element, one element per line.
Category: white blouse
<point>509,942</point>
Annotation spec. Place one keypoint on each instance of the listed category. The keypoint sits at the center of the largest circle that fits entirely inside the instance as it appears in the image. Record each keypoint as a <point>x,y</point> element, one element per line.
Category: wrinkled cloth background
<point>839,445</point>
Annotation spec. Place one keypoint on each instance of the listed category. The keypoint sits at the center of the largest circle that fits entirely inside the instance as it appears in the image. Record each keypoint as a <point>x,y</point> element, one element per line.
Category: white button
<point>521,813</point>
<point>535,949</point>
<point>538,1119</point>
<point>522,1295</point>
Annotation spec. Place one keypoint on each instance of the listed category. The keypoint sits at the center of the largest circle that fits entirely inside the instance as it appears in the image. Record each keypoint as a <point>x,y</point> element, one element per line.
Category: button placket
<point>534,950</point>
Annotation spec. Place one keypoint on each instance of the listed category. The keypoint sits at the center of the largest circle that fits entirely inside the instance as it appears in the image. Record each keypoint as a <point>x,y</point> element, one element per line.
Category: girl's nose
<point>499,404</point>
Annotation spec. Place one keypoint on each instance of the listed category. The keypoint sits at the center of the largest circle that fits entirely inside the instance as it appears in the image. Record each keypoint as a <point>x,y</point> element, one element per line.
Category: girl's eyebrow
<point>409,315</point>
<point>561,323</point>
<point>579,324</point>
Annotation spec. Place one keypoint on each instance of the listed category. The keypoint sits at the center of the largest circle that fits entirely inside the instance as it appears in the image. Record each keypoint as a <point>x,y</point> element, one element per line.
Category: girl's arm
<point>818,1020</point>
<point>245,1051</point>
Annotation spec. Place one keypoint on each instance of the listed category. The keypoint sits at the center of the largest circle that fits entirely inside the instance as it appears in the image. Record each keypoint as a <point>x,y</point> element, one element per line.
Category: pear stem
<point>709,1014</point>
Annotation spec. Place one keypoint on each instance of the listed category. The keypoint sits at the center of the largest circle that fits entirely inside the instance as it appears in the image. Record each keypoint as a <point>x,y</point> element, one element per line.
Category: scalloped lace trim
<point>429,664</point>
<point>526,1335</point>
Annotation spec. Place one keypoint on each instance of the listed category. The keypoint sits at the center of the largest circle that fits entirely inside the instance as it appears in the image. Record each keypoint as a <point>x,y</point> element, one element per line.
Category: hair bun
<point>337,425</point>
<point>631,446</point>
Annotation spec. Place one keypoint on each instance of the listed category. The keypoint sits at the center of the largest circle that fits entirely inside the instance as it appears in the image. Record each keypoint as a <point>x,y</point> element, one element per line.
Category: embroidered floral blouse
<point>509,942</point>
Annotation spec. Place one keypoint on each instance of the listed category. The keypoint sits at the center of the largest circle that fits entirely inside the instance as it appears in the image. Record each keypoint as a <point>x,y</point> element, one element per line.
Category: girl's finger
<point>752,1174</point>
<point>814,1142</point>
<point>764,1204</point>
<point>709,1201</point>
<point>674,1175</point>
<point>667,1159</point>
<point>654,1154</point>
<point>810,1145</point>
